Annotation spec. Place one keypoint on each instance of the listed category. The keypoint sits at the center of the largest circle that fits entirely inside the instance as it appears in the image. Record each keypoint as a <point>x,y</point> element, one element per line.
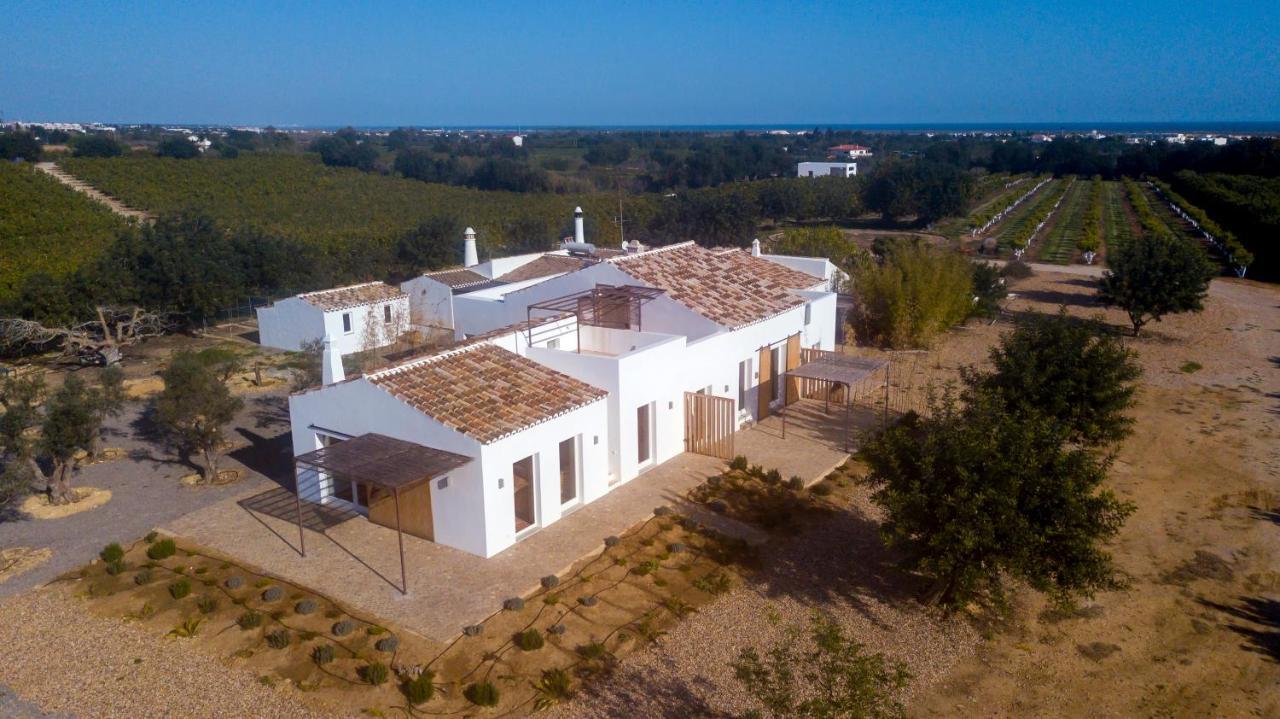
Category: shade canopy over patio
<point>386,463</point>
<point>837,369</point>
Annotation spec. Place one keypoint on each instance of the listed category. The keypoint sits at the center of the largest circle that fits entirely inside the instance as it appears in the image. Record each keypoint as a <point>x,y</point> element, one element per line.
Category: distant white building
<point>850,151</point>
<point>357,318</point>
<point>825,169</point>
<point>518,140</point>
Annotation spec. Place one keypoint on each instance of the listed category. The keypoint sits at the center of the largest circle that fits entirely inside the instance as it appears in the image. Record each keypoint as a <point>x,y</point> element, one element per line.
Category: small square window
<point>553,344</point>
<point>442,483</point>
<point>500,483</point>
<point>595,439</point>
<point>346,321</point>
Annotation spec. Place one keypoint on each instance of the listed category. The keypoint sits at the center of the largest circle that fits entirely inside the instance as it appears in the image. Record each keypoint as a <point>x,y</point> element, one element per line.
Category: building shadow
<point>1259,623</point>
<point>271,457</point>
<point>269,411</point>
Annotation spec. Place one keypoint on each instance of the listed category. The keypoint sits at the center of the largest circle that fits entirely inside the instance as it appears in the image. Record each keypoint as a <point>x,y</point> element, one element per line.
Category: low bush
<point>249,620</point>
<point>306,606</point>
<point>234,582</point>
<point>421,688</point>
<point>796,482</point>
<point>322,654</point>
<point>142,577</point>
<point>112,553</point>
<point>773,476</point>
<point>162,549</point>
<point>343,628</point>
<point>592,651</point>
<point>272,594</point>
<point>716,582</point>
<point>387,644</point>
<point>180,589</point>
<point>530,639</point>
<point>513,604</point>
<point>1017,270</point>
<point>375,673</point>
<point>116,567</point>
<point>554,687</point>
<point>481,694</point>
<point>278,639</point>
<point>739,463</point>
<point>207,604</point>
<point>151,536</point>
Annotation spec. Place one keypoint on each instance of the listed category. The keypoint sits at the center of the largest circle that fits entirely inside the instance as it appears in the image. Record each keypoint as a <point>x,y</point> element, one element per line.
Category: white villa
<point>826,169</point>
<point>571,384</point>
<point>356,318</point>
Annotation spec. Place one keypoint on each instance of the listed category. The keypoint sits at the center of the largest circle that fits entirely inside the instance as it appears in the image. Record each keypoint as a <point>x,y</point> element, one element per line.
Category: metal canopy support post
<point>848,402</point>
<point>404,587</point>
<point>884,424</point>
<point>297,498</point>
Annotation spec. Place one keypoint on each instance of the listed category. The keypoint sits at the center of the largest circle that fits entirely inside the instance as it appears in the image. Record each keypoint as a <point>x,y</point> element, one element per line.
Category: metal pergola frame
<point>590,305</point>
<point>834,369</point>
<point>379,461</point>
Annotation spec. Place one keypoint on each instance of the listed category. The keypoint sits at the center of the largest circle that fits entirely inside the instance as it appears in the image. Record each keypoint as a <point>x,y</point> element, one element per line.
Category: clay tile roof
<point>340,298</point>
<point>458,278</point>
<point>730,288</point>
<point>484,391</point>
<point>544,266</point>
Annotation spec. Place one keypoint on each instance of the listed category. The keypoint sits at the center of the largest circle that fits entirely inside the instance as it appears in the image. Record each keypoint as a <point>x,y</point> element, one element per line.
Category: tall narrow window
<point>808,313</point>
<point>386,314</point>
<point>642,434</point>
<point>346,321</point>
<point>523,496</point>
<point>568,470</point>
<point>744,382</point>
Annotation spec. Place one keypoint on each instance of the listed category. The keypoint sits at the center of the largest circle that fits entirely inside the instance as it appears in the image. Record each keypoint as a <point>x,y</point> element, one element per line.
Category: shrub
<point>913,294</point>
<point>112,553</point>
<point>592,651</point>
<point>375,673</point>
<point>588,601</point>
<point>612,541</point>
<point>375,630</point>
<point>249,620</point>
<point>677,547</point>
<point>529,640</point>
<point>187,629</point>
<point>773,476</point>
<point>1017,270</point>
<point>756,471</point>
<point>162,549</point>
<point>387,644</point>
<point>739,463</point>
<point>142,577</point>
<point>473,630</point>
<point>716,582</point>
<point>343,628</point>
<point>550,581</point>
<point>322,654</point>
<point>278,639</point>
<point>116,567</point>
<point>988,290</point>
<point>306,606</point>
<point>661,511</point>
<point>481,694</point>
<point>234,582</point>
<point>421,688</point>
<point>207,604</point>
<point>554,687</point>
<point>557,629</point>
<point>513,604</point>
<point>273,594</point>
<point>648,566</point>
<point>180,589</point>
<point>551,599</point>
<point>821,489</point>
<point>1192,366</point>
<point>151,536</point>
<point>678,607</point>
<point>796,483</point>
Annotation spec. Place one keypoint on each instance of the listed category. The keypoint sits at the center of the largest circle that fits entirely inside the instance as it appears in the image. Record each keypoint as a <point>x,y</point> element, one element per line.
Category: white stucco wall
<point>290,322</point>
<point>430,302</point>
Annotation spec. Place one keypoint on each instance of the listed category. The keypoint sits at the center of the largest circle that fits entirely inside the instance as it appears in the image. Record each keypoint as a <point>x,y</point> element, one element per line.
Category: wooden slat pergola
<point>387,463</point>
<point>833,369</point>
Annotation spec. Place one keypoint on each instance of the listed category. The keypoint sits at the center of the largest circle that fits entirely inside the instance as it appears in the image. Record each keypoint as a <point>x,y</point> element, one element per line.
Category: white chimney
<point>330,363</point>
<point>469,256</point>
<point>755,247</point>
<point>579,234</point>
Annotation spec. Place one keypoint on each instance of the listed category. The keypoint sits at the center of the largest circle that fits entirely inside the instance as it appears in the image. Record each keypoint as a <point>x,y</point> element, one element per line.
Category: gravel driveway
<point>145,490</point>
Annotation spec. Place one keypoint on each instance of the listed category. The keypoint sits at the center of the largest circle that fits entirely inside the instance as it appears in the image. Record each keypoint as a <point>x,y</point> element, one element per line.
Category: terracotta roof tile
<point>730,288</point>
<point>544,266</point>
<point>484,391</point>
<point>340,298</point>
<point>458,278</point>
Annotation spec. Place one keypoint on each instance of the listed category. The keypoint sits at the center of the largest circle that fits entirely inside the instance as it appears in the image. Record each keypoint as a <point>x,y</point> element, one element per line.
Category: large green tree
<point>70,426</point>
<point>194,409</point>
<point>1156,275</point>
<point>974,493</point>
<point>912,294</point>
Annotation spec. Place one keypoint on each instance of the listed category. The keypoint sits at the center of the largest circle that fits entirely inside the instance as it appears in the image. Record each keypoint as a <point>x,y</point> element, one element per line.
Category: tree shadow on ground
<point>268,456</point>
<point>1262,631</point>
<point>1058,298</point>
<point>269,411</point>
<point>671,697</point>
<point>146,430</point>
<point>839,558</point>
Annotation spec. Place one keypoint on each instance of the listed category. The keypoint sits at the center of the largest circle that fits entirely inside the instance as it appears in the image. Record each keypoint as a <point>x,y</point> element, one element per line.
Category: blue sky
<point>638,63</point>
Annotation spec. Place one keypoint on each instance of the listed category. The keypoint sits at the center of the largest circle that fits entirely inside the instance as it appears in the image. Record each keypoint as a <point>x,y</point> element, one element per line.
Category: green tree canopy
<point>179,148</point>
<point>1156,275</point>
<point>70,425</point>
<point>194,408</point>
<point>97,145</point>
<point>912,294</point>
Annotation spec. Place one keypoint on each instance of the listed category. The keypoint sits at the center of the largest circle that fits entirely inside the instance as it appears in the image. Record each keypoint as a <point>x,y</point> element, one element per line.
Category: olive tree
<point>70,426</point>
<point>194,408</point>
<point>1156,275</point>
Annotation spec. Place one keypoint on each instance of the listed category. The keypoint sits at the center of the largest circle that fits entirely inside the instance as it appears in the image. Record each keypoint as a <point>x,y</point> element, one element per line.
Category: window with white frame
<point>346,322</point>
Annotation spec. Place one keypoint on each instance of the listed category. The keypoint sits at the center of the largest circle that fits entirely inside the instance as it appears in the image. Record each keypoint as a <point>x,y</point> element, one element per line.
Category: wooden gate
<point>709,424</point>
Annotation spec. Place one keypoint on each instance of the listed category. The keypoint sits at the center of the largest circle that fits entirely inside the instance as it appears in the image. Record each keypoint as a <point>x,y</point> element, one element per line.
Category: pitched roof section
<point>484,391</point>
<point>730,288</point>
<point>340,298</point>
<point>458,278</point>
<point>544,266</point>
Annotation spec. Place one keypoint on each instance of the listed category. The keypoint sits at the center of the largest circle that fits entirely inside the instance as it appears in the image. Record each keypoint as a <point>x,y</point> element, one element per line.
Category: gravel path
<point>838,566</point>
<point>145,492</point>
<point>89,666</point>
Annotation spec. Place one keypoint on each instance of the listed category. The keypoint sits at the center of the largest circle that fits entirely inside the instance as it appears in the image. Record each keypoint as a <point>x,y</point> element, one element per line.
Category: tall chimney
<point>469,256</point>
<point>755,247</point>
<point>579,234</point>
<point>330,363</point>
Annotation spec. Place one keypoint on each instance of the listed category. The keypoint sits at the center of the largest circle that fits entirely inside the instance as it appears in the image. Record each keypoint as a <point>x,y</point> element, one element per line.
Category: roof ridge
<point>654,251</point>
<point>313,293</point>
<point>420,360</point>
